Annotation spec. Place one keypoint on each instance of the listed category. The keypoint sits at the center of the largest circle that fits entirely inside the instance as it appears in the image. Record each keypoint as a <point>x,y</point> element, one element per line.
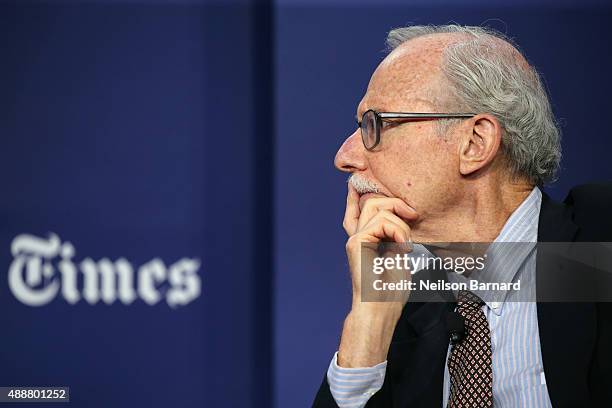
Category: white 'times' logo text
<point>43,268</point>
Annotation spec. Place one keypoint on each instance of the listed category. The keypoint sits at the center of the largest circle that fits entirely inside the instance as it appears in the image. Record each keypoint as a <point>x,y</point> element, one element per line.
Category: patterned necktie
<point>470,361</point>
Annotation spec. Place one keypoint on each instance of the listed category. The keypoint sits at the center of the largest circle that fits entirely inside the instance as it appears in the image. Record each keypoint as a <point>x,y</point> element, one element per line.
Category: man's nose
<point>350,156</point>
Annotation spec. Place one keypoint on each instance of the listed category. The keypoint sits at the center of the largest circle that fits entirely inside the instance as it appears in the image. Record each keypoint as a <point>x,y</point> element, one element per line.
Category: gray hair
<point>486,75</point>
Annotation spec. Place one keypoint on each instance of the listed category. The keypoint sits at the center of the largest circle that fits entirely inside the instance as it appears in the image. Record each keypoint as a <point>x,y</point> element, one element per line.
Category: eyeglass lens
<point>368,129</point>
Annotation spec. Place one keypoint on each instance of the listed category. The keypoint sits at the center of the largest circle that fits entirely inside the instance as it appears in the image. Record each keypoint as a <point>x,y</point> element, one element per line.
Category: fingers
<point>351,214</point>
<point>374,205</point>
<point>384,225</point>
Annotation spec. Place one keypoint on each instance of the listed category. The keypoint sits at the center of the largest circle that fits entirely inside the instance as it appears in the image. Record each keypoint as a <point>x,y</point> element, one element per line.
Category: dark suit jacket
<point>575,338</point>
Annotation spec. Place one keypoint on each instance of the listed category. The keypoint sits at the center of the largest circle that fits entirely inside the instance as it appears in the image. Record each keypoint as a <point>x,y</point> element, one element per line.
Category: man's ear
<point>480,143</point>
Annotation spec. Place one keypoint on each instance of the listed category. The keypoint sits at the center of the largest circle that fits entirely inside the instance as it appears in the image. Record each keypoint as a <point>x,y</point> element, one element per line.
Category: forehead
<point>409,76</point>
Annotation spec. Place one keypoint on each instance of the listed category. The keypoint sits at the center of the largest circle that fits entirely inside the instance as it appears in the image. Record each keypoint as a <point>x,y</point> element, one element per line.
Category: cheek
<point>413,162</point>
<point>432,166</point>
<point>389,168</point>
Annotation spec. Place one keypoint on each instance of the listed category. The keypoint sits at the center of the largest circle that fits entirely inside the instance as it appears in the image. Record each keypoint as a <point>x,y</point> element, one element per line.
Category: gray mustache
<point>363,185</point>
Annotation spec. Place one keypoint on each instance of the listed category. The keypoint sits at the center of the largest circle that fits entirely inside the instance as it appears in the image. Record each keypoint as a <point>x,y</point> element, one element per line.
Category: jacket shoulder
<point>592,210</point>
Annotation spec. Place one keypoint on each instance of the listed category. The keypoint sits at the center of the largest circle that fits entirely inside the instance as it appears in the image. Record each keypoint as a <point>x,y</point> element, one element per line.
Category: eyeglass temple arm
<point>394,115</point>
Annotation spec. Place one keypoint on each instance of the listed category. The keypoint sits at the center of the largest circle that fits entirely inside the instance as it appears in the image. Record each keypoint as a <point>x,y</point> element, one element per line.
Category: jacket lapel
<point>421,345</point>
<point>566,329</point>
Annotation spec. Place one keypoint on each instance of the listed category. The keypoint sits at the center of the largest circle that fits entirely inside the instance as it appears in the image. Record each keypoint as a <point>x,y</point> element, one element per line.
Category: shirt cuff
<point>353,387</point>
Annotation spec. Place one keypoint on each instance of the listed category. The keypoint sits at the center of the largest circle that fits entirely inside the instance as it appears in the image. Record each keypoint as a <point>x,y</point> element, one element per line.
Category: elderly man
<point>455,137</point>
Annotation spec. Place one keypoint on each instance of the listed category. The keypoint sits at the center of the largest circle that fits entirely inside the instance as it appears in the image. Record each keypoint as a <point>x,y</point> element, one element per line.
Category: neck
<point>477,215</point>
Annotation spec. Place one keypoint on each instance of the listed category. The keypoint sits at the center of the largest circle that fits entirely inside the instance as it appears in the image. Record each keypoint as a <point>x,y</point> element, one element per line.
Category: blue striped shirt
<point>518,375</point>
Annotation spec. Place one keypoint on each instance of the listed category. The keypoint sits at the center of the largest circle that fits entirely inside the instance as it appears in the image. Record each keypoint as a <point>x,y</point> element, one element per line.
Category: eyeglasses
<point>371,122</point>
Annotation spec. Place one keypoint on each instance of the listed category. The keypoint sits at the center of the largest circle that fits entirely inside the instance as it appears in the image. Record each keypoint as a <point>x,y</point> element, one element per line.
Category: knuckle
<point>385,212</point>
<point>381,213</point>
<point>370,203</point>
<point>354,242</point>
<point>351,243</point>
<point>386,217</point>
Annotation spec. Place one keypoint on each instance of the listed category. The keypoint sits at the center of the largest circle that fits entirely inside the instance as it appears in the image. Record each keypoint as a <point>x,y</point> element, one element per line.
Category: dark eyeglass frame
<point>380,117</point>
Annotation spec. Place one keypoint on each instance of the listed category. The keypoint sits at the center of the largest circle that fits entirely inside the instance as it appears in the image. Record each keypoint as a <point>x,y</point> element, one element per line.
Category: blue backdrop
<point>171,218</point>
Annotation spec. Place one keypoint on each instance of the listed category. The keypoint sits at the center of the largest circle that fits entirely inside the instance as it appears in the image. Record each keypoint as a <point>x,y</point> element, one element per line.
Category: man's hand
<point>369,327</point>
